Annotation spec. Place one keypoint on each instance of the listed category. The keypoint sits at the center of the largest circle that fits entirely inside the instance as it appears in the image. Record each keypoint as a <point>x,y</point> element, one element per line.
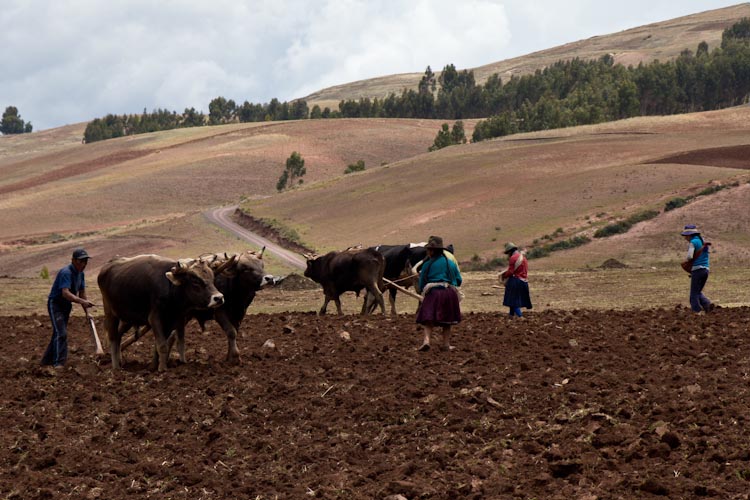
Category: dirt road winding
<point>221,217</point>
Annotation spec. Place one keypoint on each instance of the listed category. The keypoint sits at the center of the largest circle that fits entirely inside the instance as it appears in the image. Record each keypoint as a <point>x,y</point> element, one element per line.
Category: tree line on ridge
<point>566,93</point>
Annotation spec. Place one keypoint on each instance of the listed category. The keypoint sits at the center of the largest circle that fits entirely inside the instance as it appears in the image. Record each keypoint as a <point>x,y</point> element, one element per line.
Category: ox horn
<point>308,256</point>
<point>260,255</point>
<point>184,263</point>
<point>416,266</point>
<point>226,264</point>
<point>207,257</point>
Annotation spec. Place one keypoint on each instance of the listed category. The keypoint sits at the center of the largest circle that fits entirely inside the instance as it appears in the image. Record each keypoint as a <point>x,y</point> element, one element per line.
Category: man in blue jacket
<point>69,287</point>
<point>698,262</point>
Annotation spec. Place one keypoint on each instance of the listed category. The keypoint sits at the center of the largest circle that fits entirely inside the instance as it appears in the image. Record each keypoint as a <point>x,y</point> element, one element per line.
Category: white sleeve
<point>691,251</point>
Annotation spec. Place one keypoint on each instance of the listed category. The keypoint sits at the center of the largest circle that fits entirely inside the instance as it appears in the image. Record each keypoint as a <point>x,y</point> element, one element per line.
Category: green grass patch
<point>675,203</point>
<point>612,229</point>
<point>283,230</point>
<point>642,216</point>
<point>545,250</point>
<point>624,226</point>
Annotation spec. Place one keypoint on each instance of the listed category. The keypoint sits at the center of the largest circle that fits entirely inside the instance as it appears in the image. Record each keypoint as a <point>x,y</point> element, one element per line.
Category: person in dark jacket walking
<point>438,280</point>
<point>516,279</point>
<point>69,287</point>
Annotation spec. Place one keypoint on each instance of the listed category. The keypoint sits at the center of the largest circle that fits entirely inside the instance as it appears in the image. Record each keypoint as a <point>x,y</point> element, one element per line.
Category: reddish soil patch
<point>79,168</point>
<point>561,405</point>
<point>726,157</point>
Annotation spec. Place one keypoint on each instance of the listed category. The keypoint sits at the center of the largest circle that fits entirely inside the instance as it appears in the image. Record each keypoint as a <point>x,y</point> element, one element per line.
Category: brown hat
<point>510,247</point>
<point>434,242</point>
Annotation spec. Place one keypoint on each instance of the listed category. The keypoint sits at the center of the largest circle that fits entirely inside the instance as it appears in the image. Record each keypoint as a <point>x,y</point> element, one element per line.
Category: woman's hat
<point>434,242</point>
<point>690,229</point>
<point>510,247</point>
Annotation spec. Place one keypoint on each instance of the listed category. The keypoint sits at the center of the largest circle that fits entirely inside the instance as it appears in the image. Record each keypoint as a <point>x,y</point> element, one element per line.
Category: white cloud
<point>353,40</point>
<point>66,61</point>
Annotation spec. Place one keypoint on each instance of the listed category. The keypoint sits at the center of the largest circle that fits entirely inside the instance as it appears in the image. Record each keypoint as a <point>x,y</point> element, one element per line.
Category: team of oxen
<point>149,292</point>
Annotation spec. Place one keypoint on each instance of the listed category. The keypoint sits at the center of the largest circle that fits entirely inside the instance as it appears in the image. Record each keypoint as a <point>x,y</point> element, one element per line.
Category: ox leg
<point>181,344</point>
<point>375,291</point>
<point>161,346</point>
<point>325,306</point>
<point>112,325</point>
<point>233,353</point>
<point>370,303</point>
<point>392,300</point>
<point>177,336</point>
<point>337,301</point>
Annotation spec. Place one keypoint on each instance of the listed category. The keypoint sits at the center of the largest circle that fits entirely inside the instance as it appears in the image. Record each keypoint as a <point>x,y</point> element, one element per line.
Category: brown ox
<point>238,281</point>
<point>156,291</point>
<point>351,270</point>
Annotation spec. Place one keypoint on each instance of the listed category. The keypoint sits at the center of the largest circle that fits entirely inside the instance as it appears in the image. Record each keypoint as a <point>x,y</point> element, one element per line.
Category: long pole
<point>404,290</point>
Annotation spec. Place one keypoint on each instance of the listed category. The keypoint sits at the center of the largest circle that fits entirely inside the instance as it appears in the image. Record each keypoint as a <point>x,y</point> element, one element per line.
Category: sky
<point>70,61</point>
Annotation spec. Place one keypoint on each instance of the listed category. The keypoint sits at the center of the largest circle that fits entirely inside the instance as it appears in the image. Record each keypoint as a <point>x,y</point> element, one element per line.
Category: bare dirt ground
<point>579,404</point>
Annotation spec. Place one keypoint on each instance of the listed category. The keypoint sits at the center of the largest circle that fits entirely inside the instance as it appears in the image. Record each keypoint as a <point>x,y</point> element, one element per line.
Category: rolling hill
<point>146,193</point>
<point>528,187</point>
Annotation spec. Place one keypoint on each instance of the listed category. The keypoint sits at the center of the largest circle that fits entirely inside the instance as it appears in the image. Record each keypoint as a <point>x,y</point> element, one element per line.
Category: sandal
<point>424,348</point>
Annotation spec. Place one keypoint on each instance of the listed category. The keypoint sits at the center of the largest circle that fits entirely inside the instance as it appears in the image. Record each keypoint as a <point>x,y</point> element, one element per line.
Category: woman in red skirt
<point>438,280</point>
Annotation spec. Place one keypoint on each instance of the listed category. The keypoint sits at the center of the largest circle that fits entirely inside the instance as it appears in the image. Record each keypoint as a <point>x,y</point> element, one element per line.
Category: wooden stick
<point>95,336</point>
<point>404,290</point>
<point>139,332</point>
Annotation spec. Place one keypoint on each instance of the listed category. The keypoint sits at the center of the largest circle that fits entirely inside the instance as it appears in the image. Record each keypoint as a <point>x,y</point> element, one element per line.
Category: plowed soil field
<point>560,405</point>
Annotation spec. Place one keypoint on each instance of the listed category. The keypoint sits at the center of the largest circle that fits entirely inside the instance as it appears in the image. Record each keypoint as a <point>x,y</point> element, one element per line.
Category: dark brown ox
<point>238,282</point>
<point>398,268</point>
<point>348,271</point>
<point>156,291</point>
<point>402,264</point>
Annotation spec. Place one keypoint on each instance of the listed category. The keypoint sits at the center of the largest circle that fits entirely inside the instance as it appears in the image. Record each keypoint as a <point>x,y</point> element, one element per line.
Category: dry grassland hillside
<point>524,187</point>
<point>145,193</point>
<point>663,41</point>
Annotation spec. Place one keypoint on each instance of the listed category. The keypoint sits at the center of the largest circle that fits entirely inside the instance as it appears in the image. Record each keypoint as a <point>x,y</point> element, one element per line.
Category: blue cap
<point>80,254</point>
